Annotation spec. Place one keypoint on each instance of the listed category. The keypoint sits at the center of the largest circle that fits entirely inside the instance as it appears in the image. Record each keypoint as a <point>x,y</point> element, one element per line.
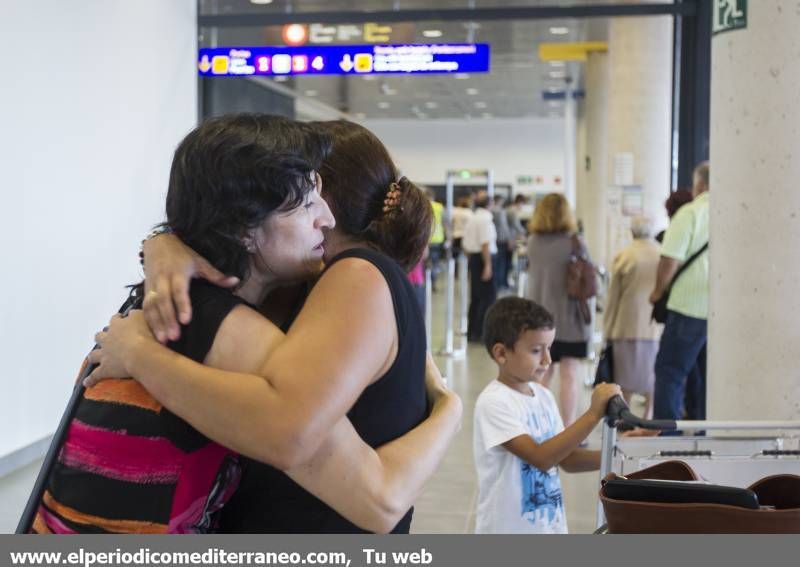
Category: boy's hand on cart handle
<point>600,396</point>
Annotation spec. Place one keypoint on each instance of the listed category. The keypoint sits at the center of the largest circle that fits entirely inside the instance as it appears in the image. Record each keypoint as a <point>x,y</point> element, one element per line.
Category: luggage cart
<point>734,460</point>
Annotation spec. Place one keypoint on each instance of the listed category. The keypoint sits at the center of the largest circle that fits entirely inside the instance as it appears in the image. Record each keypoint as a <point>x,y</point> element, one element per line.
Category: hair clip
<point>392,199</point>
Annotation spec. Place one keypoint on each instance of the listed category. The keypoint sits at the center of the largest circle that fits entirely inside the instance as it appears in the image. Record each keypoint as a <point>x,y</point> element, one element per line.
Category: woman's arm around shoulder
<point>343,339</point>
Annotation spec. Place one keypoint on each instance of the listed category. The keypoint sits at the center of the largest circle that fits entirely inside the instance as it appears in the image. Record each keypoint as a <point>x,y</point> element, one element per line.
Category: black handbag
<point>605,366</point>
<point>660,307</point>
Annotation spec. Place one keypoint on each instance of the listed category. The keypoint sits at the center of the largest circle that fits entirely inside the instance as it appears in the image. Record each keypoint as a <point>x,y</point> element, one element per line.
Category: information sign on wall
<point>344,60</point>
<point>729,15</point>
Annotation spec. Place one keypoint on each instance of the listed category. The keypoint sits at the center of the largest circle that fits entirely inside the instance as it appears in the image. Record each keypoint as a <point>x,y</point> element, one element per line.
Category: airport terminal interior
<point>568,151</point>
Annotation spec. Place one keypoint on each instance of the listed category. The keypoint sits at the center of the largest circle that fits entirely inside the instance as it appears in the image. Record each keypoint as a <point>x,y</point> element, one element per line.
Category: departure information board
<point>344,59</point>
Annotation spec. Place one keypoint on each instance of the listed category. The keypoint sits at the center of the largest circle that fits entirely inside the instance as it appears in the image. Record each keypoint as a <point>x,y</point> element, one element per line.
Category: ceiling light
<point>487,115</point>
<point>370,77</point>
<point>461,76</point>
<point>432,33</point>
<point>557,64</point>
<point>431,104</point>
<point>558,75</point>
<point>281,78</point>
<point>559,30</point>
<point>261,2</point>
<point>383,104</point>
<point>295,34</point>
<point>480,105</point>
<point>554,103</point>
<point>555,89</point>
<point>422,115</point>
<point>471,91</point>
<point>311,92</point>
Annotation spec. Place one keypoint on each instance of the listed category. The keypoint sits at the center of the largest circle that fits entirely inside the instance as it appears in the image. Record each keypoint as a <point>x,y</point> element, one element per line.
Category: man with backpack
<point>683,277</point>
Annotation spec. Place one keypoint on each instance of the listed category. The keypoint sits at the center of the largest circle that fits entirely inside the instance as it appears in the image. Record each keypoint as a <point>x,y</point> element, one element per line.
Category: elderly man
<point>682,353</point>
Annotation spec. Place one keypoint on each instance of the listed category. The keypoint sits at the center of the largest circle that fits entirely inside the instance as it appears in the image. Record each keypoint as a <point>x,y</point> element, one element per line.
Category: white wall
<point>425,150</point>
<point>95,96</point>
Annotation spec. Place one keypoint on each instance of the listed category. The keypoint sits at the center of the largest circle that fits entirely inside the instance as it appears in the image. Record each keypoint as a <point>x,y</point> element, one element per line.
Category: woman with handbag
<point>631,334</point>
<point>551,248</point>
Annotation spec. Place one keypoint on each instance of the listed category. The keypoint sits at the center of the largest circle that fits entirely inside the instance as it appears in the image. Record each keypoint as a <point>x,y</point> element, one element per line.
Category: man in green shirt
<point>682,353</point>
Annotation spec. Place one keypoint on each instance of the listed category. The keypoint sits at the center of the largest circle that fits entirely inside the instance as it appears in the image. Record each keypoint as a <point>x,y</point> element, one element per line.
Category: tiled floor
<point>448,503</point>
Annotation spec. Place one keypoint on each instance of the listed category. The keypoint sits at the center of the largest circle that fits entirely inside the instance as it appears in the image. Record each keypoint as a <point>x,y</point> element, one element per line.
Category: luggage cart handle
<point>617,411</point>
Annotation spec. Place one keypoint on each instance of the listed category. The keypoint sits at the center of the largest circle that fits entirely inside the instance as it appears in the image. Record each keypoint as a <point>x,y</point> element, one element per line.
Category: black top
<point>268,501</point>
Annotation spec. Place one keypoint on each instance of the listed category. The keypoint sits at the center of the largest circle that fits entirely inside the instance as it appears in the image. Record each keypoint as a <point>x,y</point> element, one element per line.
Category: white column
<point>640,106</point>
<point>754,330</point>
<point>592,179</point>
<point>570,143</point>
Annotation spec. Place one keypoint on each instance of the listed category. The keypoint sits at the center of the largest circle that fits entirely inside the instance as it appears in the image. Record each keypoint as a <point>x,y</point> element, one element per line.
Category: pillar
<point>754,330</point>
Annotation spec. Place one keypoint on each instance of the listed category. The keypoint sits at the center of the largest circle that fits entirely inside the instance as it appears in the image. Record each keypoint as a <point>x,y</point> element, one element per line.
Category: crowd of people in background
<point>664,362</point>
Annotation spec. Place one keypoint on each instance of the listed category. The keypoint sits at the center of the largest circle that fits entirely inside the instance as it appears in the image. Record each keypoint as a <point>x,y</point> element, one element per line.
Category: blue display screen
<point>344,60</point>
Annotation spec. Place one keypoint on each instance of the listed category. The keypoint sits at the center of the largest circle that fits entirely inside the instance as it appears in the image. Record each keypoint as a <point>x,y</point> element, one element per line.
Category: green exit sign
<point>729,15</point>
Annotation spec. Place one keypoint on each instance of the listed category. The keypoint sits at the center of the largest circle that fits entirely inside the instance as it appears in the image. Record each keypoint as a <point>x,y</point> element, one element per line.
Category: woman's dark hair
<point>508,318</point>
<point>356,177</point>
<point>230,172</point>
<point>676,200</point>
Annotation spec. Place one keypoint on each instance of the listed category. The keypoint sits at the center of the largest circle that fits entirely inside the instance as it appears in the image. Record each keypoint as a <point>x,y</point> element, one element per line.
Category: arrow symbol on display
<point>346,63</point>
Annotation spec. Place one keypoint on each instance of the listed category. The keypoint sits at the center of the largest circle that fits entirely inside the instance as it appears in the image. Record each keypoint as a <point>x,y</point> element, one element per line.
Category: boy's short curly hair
<point>510,317</point>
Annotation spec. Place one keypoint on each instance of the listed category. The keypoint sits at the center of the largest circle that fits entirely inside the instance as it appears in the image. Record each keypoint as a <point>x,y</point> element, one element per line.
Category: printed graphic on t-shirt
<point>542,501</point>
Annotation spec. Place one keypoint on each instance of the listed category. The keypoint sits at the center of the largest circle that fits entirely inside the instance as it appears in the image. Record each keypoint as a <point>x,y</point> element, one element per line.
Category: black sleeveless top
<point>268,501</point>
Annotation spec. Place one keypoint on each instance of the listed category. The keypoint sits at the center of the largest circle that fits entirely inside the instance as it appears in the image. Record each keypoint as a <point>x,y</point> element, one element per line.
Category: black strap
<point>686,265</point>
<point>25,524</point>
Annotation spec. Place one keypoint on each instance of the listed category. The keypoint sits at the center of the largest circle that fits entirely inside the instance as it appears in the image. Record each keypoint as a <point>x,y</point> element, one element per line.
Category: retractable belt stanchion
<point>428,308</point>
<point>521,270</point>
<point>463,289</point>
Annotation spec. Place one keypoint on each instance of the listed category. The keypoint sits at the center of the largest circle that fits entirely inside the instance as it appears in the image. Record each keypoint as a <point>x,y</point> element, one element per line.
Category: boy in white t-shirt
<point>519,438</point>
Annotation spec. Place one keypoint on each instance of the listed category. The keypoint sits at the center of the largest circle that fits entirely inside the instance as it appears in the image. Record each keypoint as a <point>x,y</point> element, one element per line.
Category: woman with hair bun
<point>356,348</point>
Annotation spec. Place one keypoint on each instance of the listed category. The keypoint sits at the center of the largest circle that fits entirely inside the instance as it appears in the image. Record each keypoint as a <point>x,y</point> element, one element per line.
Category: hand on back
<point>169,268</point>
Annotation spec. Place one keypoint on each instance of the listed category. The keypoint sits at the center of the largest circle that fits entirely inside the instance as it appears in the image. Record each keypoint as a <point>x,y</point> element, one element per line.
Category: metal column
<point>448,348</point>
